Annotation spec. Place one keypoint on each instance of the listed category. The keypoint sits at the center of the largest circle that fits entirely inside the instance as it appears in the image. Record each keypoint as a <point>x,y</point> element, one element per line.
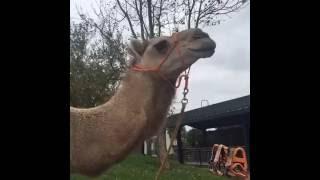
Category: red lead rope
<point>184,100</point>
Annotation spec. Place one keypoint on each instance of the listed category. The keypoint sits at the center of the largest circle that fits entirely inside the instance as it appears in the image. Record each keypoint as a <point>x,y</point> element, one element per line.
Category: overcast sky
<point>225,75</point>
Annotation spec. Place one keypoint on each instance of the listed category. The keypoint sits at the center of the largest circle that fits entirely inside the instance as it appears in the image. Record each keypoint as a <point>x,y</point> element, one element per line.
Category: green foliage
<point>97,58</point>
<point>195,138</point>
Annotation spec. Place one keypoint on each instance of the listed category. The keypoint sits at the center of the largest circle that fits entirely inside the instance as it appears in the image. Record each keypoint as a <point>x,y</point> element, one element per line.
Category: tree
<point>163,148</point>
<point>209,12</point>
<point>171,14</point>
<point>195,138</point>
<point>97,58</point>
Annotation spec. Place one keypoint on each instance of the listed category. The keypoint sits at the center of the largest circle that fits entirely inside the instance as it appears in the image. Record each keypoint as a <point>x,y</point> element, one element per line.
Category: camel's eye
<point>162,46</point>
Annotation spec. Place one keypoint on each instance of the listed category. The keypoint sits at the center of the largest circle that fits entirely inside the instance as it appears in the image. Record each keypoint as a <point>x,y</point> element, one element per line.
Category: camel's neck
<point>145,91</point>
<point>103,135</point>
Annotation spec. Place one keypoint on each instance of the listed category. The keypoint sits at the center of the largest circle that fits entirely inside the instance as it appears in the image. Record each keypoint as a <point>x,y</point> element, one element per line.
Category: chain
<point>185,91</point>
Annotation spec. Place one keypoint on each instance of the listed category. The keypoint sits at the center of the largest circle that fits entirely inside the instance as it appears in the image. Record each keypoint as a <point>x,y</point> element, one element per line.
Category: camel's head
<point>175,54</point>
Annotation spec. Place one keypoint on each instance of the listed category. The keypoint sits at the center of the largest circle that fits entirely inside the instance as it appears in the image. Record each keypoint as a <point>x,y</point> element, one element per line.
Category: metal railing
<point>197,156</point>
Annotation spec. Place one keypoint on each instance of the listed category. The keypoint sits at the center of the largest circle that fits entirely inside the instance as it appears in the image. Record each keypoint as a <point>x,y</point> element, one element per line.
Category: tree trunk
<point>139,13</point>
<point>163,148</point>
<point>128,18</point>
<point>199,14</point>
<point>189,20</point>
<point>149,3</point>
<point>159,19</point>
<point>190,9</point>
<point>149,151</point>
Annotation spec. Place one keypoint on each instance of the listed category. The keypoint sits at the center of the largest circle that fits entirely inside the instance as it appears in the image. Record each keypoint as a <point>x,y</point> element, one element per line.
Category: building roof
<point>223,113</point>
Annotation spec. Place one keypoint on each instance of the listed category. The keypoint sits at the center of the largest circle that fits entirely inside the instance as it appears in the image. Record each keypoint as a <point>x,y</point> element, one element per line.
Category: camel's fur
<point>104,135</point>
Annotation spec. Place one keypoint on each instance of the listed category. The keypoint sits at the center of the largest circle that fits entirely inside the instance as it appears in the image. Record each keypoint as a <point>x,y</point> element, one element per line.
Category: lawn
<point>139,167</point>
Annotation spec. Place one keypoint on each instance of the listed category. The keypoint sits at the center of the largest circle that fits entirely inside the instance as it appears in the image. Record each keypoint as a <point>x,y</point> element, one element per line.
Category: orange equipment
<point>228,161</point>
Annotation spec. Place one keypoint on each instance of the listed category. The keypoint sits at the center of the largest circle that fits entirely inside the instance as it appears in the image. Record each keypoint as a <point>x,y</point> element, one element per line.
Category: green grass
<point>139,167</point>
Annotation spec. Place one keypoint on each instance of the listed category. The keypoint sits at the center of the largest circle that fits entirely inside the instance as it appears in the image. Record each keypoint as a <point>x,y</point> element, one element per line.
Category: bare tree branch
<point>190,8</point>
<point>146,30</point>
<point>139,13</point>
<point>159,18</point>
<point>128,19</point>
<point>199,13</point>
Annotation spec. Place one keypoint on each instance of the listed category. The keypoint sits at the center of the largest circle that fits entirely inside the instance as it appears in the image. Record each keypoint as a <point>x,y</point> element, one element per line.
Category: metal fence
<point>197,156</point>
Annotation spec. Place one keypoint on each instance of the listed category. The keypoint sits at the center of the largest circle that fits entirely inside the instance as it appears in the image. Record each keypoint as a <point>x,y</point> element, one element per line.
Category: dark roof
<point>215,113</point>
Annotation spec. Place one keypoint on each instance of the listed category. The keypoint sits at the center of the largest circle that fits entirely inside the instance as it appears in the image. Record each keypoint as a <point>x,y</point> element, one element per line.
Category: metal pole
<point>180,151</point>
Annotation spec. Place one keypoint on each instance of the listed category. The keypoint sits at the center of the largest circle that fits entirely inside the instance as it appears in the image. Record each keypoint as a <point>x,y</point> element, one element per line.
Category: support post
<point>200,156</point>
<point>179,143</point>
<point>204,133</point>
<point>245,128</point>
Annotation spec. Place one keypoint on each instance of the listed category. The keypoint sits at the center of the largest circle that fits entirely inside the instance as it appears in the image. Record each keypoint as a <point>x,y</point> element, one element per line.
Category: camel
<point>104,135</point>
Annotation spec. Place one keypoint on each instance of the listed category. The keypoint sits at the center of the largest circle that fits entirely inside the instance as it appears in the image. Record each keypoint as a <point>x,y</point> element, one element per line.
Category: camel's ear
<point>136,49</point>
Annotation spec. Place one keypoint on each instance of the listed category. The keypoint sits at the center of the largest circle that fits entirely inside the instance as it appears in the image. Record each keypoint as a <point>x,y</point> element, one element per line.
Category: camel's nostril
<point>196,37</point>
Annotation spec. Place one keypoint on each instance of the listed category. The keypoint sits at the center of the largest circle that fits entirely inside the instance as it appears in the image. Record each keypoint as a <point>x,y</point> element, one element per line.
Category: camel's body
<point>104,135</point>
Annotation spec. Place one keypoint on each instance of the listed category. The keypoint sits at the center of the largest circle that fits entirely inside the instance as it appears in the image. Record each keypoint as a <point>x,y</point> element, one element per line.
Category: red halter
<point>137,67</point>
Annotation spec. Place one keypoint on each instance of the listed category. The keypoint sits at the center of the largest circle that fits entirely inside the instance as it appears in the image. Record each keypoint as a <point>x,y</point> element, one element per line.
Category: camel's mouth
<point>201,44</point>
<point>204,47</point>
